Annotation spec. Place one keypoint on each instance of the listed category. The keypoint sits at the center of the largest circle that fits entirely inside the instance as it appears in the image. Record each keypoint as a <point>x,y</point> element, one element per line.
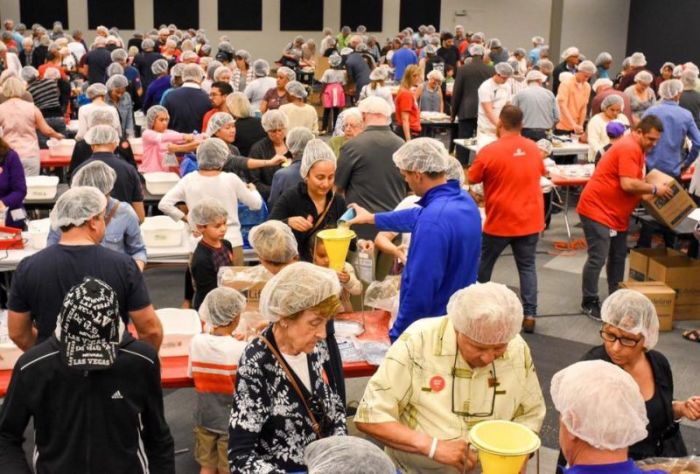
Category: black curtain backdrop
<point>301,15</point>
<point>240,15</point>
<point>119,13</point>
<point>44,13</point>
<point>183,13</point>
<point>362,12</point>
<point>414,13</point>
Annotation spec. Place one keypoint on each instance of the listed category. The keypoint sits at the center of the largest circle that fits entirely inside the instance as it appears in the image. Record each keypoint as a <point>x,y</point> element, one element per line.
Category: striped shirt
<point>45,94</point>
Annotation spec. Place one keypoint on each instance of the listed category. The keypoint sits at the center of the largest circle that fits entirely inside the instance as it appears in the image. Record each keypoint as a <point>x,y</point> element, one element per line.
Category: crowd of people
<point>247,139</point>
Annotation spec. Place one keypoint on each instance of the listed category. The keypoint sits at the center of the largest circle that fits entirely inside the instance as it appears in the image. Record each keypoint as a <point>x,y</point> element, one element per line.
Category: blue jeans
<point>524,248</point>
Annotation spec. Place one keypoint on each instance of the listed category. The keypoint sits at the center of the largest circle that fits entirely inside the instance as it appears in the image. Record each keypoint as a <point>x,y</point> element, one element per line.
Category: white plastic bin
<point>62,147</point>
<point>41,187</point>
<point>9,352</point>
<point>38,233</point>
<point>160,182</point>
<point>162,231</point>
<point>136,145</point>
<point>179,326</point>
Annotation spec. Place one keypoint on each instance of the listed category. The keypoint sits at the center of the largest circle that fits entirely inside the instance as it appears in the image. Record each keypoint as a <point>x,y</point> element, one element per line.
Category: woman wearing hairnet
<point>282,402</point>
<point>611,109</point>
<point>158,141</point>
<point>257,88</point>
<point>277,96</point>
<point>630,332</point>
<point>96,93</point>
<point>161,83</point>
<point>274,244</point>
<point>275,124</point>
<point>120,99</point>
<point>298,112</point>
<point>249,129</point>
<point>641,94</point>
<point>243,74</point>
<point>289,177</point>
<point>351,124</point>
<point>346,454</point>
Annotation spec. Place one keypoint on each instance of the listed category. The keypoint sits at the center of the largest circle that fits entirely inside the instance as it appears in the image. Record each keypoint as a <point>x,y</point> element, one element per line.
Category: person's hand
<point>59,136</point>
<point>362,215</point>
<point>238,336</point>
<point>691,408</point>
<point>455,453</point>
<point>344,277</point>
<point>251,186</point>
<point>277,160</point>
<point>187,137</point>
<point>401,253</point>
<point>300,224</point>
<point>578,129</point>
<point>663,190</point>
<point>365,245</point>
<point>2,206</point>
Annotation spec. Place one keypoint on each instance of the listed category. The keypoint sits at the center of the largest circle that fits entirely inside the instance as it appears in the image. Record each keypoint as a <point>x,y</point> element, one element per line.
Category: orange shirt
<point>207,116</point>
<point>406,102</point>
<point>575,96</point>
<point>510,169</point>
<point>603,199</point>
<point>42,70</point>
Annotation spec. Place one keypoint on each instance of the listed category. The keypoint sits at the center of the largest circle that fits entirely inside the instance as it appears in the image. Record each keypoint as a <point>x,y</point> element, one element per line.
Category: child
<point>212,364</point>
<point>208,218</point>
<point>333,94</point>
<point>351,285</point>
<point>159,141</point>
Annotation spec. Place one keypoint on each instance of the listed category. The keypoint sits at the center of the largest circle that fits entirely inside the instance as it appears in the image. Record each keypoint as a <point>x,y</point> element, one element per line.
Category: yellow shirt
<point>574,96</point>
<point>413,386</point>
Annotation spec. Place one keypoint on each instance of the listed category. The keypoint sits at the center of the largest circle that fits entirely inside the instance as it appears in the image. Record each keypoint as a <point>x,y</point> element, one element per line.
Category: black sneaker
<point>591,308</point>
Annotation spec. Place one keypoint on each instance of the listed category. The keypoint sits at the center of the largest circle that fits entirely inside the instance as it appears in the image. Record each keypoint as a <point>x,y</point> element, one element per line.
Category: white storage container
<point>41,187</point>
<point>160,182</point>
<point>39,233</point>
<point>136,145</point>
<point>62,147</point>
<point>179,326</point>
<point>162,231</point>
<point>9,352</point>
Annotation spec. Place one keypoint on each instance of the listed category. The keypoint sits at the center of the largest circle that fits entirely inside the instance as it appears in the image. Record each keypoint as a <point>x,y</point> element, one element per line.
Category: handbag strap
<point>314,424</point>
<point>322,216</point>
<point>112,211</point>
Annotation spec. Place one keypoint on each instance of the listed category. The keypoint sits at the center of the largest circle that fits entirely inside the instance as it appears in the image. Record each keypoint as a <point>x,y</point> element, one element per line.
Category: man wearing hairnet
<point>573,96</point>
<point>446,228</point>
<point>446,374</point>
<point>570,58</point>
<point>494,94</point>
<point>42,280</point>
<point>601,413</point>
<point>188,104</point>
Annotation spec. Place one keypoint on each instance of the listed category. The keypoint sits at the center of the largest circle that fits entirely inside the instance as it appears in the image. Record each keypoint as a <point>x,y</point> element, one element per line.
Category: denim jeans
<point>524,253</point>
<point>601,247</point>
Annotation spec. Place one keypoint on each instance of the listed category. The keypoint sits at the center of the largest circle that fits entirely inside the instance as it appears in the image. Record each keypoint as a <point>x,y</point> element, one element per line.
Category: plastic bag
<point>686,465</point>
<point>170,160</point>
<point>383,294</point>
<point>243,278</point>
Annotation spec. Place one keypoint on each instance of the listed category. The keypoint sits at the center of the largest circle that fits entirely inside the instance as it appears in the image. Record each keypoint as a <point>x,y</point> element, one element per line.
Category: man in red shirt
<point>605,206</point>
<point>510,169</point>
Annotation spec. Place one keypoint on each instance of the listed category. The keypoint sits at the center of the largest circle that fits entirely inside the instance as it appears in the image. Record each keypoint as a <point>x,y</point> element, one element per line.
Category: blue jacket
<point>627,467</point>
<point>444,252</point>
<point>678,123</point>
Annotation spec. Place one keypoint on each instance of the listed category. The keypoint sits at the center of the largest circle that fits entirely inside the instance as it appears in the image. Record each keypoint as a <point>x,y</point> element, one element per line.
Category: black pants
<point>330,115</point>
<point>466,128</point>
<point>693,247</point>
<point>534,134</point>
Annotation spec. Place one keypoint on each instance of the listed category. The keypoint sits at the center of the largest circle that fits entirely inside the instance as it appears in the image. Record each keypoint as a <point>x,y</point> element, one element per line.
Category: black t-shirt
<point>127,188</point>
<point>97,61</point>
<point>450,55</point>
<point>43,280</point>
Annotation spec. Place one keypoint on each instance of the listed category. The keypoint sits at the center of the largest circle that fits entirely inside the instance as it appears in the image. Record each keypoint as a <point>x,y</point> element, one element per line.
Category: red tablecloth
<point>173,370</point>
<point>564,181</point>
<point>48,161</point>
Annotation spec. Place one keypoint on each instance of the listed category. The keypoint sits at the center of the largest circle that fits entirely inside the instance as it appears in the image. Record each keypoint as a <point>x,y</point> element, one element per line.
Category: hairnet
<point>670,89</point>
<point>297,138</point>
<point>455,170</point>
<point>206,212</point>
<point>335,60</point>
<point>430,49</point>
<point>375,105</point>
<point>612,99</point>
<point>437,75</point>
<point>274,120</point>
<point>114,69</point>
<point>316,150</point>
<point>217,121</point>
<point>545,65</point>
<point>119,54</point>
<point>422,155</point>
<point>632,312</point>
<point>219,71</point>
<point>211,69</point>
<point>379,74</point>
<point>494,43</point>
<point>96,90</point>
<point>297,287</point>
<point>535,75</point>
<point>296,89</point>
<point>603,58</point>
<point>600,83</point>
<point>569,52</point>
<point>100,116</point>
<point>221,306</point>
<point>187,55</point>
<point>545,145</point>
<point>601,404</point>
<point>159,66</point>
<point>476,49</point>
<point>538,40</point>
<point>565,76</point>
<point>520,52</point>
<point>117,81</point>
<point>667,65</point>
<point>638,60</point>
<point>212,153</point>
<point>503,69</point>
<point>487,313</point>
<point>644,77</point>
<point>148,43</point>
<point>192,72</point>
<point>261,68</point>
<point>285,71</point>
<point>29,73</point>
<point>346,454</point>
<point>101,135</point>
<point>76,206</point>
<point>345,51</point>
<point>96,174</point>
<point>689,78</point>
<point>587,66</point>
<point>274,242</point>
<point>243,54</point>
<point>152,114</point>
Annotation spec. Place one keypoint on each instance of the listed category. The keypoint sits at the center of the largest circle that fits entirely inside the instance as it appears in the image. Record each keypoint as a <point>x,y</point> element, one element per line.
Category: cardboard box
<point>687,312</point>
<point>662,296</point>
<point>668,211</point>
<point>683,275</point>
<point>639,261</point>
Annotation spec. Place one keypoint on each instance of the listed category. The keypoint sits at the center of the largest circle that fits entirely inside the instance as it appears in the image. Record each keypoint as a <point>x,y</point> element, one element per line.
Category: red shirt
<point>603,199</point>
<point>406,102</point>
<point>205,119</point>
<point>510,169</point>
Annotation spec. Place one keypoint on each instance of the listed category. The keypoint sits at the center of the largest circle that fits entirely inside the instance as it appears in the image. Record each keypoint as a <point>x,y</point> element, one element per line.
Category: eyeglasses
<point>493,397</point>
<point>625,341</point>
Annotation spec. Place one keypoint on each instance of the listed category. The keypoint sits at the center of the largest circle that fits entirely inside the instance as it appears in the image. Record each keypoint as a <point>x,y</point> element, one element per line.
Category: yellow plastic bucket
<point>337,243</point>
<point>503,446</point>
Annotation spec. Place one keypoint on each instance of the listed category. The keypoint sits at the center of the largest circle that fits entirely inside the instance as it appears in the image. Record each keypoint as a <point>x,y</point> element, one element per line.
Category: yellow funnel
<point>503,446</point>
<point>337,242</point>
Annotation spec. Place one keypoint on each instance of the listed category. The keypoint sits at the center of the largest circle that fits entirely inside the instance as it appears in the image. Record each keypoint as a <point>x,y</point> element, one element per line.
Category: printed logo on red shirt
<point>437,383</point>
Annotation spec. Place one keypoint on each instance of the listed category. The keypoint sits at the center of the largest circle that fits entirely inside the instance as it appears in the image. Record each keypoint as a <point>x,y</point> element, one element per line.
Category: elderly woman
<point>243,74</point>
<point>159,85</point>
<point>20,121</point>
<point>223,74</point>
<point>275,124</point>
<point>351,124</point>
<point>603,63</point>
<point>255,90</point>
<point>135,88</point>
<point>429,94</point>
<point>277,96</point>
<point>158,141</point>
<point>13,187</point>
<point>122,231</point>
<point>311,205</point>
<point>407,112</point>
<point>641,94</point>
<point>120,99</point>
<point>249,130</point>
<point>282,401</point>
<point>96,93</point>
<point>610,109</point>
<point>289,177</point>
<point>298,112</point>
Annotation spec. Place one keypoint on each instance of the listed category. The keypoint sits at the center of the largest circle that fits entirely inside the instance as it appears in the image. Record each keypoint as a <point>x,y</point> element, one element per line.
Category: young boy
<point>208,218</point>
<point>213,359</point>
<point>351,285</point>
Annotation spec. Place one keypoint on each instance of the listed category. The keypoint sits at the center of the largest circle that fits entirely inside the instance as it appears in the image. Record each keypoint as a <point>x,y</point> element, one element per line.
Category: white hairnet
<point>612,99</point>
<point>187,55</point>
<point>261,68</point>
<point>638,60</point>
<point>565,76</point>
<point>375,105</point>
<point>159,66</point>
<point>96,90</point>
<point>335,60</point>
<point>285,71</point>
<point>346,454</point>
<point>545,65</point>
<point>101,135</point>
<point>316,150</point>
<point>297,287</point>
<point>117,81</point>
<point>148,43</point>
<point>221,306</point>
<point>670,89</point>
<point>632,312</point>
<point>76,206</point>
<point>455,170</point>
<point>691,66</point>
<point>96,174</point>
<point>119,54</point>
<point>644,77</point>
<point>535,75</point>
<point>605,82</point>
<point>538,40</point>
<point>297,138</point>
<point>114,69</point>
<point>545,145</point>
<point>587,66</point>
<point>422,155</point>
<point>274,241</point>
<point>569,52</point>
<point>379,74</point>
<point>296,89</point>
<point>487,313</point>
<point>437,75</point>
<point>206,212</point>
<point>503,69</point>
<point>100,116</point>
<point>192,73</point>
<point>211,69</point>
<point>153,113</point>
<point>29,73</point>
<point>603,58</point>
<point>601,404</point>
<point>274,120</point>
<point>244,55</point>
<point>476,49</point>
<point>212,153</point>
<point>689,79</point>
<point>217,121</point>
<point>219,71</point>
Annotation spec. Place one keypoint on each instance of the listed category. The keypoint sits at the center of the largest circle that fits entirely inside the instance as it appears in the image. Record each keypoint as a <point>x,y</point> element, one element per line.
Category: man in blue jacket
<point>446,227</point>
